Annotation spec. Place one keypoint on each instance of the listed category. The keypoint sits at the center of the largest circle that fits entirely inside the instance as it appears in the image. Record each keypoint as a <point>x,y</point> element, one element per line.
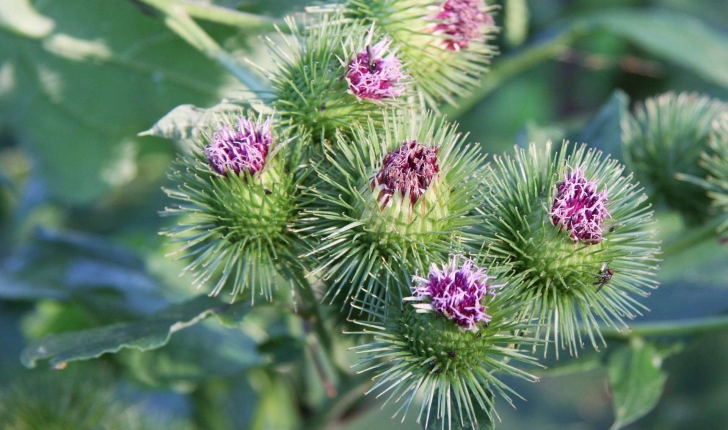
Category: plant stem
<point>672,328</point>
<point>231,17</point>
<point>693,237</point>
<point>178,20</point>
<point>350,391</point>
<point>513,65</point>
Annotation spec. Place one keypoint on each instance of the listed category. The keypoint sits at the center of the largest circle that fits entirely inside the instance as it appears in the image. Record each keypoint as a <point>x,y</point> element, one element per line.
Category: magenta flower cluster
<point>579,208</point>
<point>408,170</point>
<point>462,21</point>
<point>240,150</point>
<point>456,292</point>
<point>373,76</point>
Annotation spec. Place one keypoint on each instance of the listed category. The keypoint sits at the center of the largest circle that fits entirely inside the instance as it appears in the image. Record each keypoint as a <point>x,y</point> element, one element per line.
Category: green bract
<point>716,163</point>
<point>438,73</point>
<point>236,228</point>
<point>366,236</point>
<point>310,87</point>
<point>453,371</point>
<point>560,274</point>
<point>664,138</point>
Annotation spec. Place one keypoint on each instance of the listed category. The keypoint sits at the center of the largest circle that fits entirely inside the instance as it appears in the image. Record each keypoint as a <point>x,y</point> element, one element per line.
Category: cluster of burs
<point>445,271</point>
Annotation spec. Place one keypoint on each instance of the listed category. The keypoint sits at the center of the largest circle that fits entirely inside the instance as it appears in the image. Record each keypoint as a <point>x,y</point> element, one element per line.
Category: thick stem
<point>671,328</point>
<point>694,237</point>
<point>222,15</point>
<point>177,19</point>
<point>513,65</point>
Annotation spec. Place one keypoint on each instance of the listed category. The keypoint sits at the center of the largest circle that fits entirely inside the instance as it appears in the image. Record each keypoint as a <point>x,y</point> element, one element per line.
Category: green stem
<point>693,237</point>
<point>231,17</point>
<point>671,328</point>
<point>178,20</point>
<point>508,67</point>
<point>349,392</point>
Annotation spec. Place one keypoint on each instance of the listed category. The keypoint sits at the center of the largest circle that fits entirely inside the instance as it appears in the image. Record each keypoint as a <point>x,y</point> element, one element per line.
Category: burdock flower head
<point>408,170</point>
<point>462,21</point>
<point>456,291</point>
<point>579,236</point>
<point>715,161</point>
<point>440,348</point>
<point>389,198</point>
<point>375,73</point>
<point>239,202</point>
<point>662,143</point>
<point>579,208</point>
<point>242,149</point>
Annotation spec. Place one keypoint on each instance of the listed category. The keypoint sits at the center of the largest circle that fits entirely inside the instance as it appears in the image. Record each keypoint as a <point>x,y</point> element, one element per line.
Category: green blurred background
<point>80,192</point>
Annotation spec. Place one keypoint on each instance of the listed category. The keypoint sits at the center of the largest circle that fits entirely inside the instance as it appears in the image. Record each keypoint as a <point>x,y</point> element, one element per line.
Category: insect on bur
<point>371,61</point>
<point>604,276</point>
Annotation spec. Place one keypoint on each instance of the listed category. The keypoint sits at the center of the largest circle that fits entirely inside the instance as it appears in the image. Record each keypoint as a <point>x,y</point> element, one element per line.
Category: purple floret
<point>376,77</point>
<point>462,21</point>
<point>456,293</point>
<point>579,208</point>
<point>241,150</point>
<point>408,170</point>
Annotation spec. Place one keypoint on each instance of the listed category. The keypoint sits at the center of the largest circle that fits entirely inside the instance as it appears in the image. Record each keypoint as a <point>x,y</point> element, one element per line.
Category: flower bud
<point>578,232</point>
<point>238,206</point>
<point>663,139</point>
<point>715,161</point>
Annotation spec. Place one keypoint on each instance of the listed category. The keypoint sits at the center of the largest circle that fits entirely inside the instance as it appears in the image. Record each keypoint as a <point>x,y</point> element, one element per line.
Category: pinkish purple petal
<point>240,150</point>
<point>461,21</point>
<point>579,208</point>
<point>376,77</point>
<point>457,292</point>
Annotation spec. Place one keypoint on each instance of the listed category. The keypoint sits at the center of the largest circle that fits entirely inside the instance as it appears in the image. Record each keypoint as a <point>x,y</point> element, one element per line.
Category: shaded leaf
<point>19,17</point>
<point>183,122</point>
<point>604,130</point>
<point>636,379</point>
<point>148,333</point>
<point>679,38</point>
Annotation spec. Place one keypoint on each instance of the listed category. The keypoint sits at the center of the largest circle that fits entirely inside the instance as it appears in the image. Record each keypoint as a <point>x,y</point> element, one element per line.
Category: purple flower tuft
<point>373,76</point>
<point>241,150</point>
<point>579,208</point>
<point>456,292</point>
<point>462,21</point>
<point>408,169</point>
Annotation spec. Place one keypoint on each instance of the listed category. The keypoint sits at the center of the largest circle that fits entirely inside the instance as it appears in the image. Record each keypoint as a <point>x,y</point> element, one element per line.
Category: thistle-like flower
<point>422,353</point>
<point>239,205</point>
<point>462,21</point>
<point>330,76</point>
<point>578,235</point>
<point>389,199</point>
<point>456,292</point>
<point>444,45</point>
<point>375,73</point>
<point>715,161</point>
<point>663,140</point>
<point>579,208</point>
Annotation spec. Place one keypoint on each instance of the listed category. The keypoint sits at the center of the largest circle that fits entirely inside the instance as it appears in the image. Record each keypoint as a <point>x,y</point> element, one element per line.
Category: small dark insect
<point>611,229</point>
<point>481,334</point>
<point>322,107</point>
<point>452,354</point>
<point>604,276</point>
<point>432,365</point>
<point>267,191</point>
<point>371,61</point>
<point>438,371</point>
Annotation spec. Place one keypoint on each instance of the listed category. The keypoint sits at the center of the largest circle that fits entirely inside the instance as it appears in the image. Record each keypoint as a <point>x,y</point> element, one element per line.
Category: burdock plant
<point>445,45</point>
<point>389,199</point>
<point>238,207</point>
<point>715,161</point>
<point>579,233</point>
<point>447,343</point>
<point>663,140</point>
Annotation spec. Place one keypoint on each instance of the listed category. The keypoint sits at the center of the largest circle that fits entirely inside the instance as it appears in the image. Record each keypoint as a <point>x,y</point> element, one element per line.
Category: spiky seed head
<point>444,46</point>
<point>456,291</point>
<point>375,73</point>
<point>563,276</point>
<point>240,149</point>
<point>662,142</point>
<point>715,161</point>
<point>462,21</point>
<point>579,208</point>
<point>239,206</point>
<point>319,86</point>
<point>408,170</point>
<point>390,198</point>
<point>424,357</point>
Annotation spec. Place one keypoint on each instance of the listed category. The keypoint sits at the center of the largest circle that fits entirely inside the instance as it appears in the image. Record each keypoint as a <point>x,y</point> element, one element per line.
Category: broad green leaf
<point>676,37</point>
<point>183,122</point>
<point>604,130</point>
<point>636,379</point>
<point>77,97</point>
<point>148,333</point>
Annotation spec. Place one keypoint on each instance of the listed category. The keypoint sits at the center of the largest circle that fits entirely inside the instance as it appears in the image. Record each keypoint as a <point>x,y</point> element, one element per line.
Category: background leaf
<point>636,379</point>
